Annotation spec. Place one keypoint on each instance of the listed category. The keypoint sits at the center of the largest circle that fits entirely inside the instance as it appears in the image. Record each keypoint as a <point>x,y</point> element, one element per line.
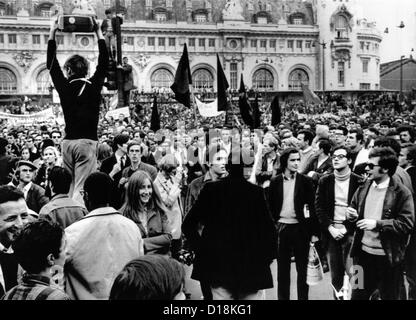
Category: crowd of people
<point>104,209</point>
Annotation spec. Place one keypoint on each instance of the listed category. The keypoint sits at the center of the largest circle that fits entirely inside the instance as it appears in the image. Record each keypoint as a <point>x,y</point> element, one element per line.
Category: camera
<point>76,23</point>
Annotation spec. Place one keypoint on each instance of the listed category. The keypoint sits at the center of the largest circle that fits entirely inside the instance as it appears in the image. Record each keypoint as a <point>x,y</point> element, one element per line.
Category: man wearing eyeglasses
<point>33,193</point>
<point>333,195</point>
<point>383,211</point>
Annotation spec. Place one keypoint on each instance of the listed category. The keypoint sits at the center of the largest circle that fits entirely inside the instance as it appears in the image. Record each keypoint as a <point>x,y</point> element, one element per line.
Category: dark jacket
<point>265,175</point>
<point>325,202</point>
<point>128,77</point>
<point>304,195</point>
<point>36,198</point>
<point>7,165</point>
<point>80,98</point>
<point>324,168</point>
<point>396,222</point>
<point>238,241</point>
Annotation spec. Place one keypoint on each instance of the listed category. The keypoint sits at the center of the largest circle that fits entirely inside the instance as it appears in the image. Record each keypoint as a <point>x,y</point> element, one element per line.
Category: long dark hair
<point>133,205</point>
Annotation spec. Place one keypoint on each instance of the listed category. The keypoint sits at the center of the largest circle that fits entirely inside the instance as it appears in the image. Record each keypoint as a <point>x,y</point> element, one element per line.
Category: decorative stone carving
<point>25,38</point>
<point>24,59</point>
<point>141,61</point>
<point>83,7</point>
<point>233,11</point>
<point>342,56</point>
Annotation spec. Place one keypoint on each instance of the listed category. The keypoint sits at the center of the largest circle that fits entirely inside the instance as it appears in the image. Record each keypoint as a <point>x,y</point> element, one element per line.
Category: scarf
<point>342,177</point>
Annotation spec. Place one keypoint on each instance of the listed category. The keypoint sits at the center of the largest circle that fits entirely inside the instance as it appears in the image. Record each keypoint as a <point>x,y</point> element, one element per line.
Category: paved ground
<point>321,291</point>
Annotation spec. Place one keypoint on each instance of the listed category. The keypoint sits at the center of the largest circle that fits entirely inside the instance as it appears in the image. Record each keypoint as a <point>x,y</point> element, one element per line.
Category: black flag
<point>276,112</point>
<point>155,119</point>
<point>243,104</point>
<point>183,79</point>
<point>222,86</point>
<point>256,113</point>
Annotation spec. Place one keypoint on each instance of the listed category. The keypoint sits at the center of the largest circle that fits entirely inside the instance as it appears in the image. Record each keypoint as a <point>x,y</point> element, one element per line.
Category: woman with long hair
<point>144,206</point>
<point>51,158</point>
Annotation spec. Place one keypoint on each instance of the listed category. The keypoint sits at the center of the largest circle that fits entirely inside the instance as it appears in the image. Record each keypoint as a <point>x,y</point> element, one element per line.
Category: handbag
<point>315,273</point>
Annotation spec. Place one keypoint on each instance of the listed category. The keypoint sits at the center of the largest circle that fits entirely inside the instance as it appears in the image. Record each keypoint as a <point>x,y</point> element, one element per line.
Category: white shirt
<point>26,189</point>
<point>8,251</point>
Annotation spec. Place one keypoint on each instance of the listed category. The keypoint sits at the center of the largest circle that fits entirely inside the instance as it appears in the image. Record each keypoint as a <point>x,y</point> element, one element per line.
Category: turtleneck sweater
<point>342,182</point>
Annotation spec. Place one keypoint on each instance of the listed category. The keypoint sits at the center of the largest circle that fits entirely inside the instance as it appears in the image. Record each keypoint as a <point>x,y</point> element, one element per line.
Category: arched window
<point>296,78</point>
<point>341,26</point>
<point>161,78</point>
<point>8,81</point>
<point>202,79</point>
<point>44,9</point>
<point>263,79</point>
<point>43,81</point>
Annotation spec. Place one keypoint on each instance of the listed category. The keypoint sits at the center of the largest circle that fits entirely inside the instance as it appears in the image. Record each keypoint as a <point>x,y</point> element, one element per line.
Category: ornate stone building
<point>275,44</point>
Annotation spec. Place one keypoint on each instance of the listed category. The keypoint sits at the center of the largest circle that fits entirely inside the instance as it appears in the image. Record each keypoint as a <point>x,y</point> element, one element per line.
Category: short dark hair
<point>78,65</point>
<point>374,130</point>
<point>35,242</point>
<point>348,150</point>
<point>99,187</point>
<point>388,158</point>
<point>385,123</point>
<point>120,139</point>
<point>285,156</point>
<point>344,130</point>
<point>308,135</point>
<point>108,11</point>
<point>325,145</point>
<point>358,134</point>
<point>134,143</point>
<point>388,142</point>
<point>10,193</point>
<point>60,179</point>
<point>150,277</point>
<point>409,129</point>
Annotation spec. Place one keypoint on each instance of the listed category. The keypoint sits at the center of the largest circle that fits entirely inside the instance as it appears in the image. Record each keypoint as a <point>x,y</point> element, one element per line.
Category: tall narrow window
<point>365,65</point>
<point>151,41</point>
<point>12,39</point>
<point>290,45</point>
<point>1,38</point>
<point>233,75</point>
<point>341,74</point>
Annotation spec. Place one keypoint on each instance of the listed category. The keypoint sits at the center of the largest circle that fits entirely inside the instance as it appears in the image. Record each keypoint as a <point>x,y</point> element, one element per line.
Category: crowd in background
<point>154,180</point>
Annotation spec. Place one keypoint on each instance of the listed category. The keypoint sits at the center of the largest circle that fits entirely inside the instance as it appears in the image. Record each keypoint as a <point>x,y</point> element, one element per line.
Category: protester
<point>34,194</point>
<point>40,250</point>
<point>62,209</point>
<point>291,201</point>
<point>13,216</point>
<point>151,277</point>
<point>169,183</point>
<point>333,195</point>
<point>237,238</point>
<point>383,210</point>
<point>144,206</point>
<point>80,99</point>
<point>100,244</point>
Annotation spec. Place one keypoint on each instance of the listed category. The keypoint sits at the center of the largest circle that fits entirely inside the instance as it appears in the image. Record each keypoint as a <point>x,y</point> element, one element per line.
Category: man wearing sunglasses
<point>383,212</point>
<point>333,195</point>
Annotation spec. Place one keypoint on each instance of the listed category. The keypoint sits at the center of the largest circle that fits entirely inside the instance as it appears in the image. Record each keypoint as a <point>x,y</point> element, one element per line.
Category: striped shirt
<point>35,287</point>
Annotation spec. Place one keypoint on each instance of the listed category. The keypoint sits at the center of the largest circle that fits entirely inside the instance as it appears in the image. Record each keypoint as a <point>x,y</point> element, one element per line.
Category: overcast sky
<point>389,13</point>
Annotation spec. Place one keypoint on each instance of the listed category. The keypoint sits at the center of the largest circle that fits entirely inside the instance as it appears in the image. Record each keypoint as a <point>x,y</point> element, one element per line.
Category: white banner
<point>28,118</point>
<point>116,113</point>
<point>208,110</point>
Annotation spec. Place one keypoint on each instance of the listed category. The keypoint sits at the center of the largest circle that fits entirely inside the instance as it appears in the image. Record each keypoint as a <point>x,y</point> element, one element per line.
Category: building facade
<point>275,44</point>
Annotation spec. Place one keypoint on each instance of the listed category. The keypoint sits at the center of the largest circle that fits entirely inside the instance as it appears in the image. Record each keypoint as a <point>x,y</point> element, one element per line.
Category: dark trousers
<point>337,257</point>
<point>410,266</point>
<point>206,290</point>
<point>380,279</point>
<point>126,98</point>
<point>292,238</point>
